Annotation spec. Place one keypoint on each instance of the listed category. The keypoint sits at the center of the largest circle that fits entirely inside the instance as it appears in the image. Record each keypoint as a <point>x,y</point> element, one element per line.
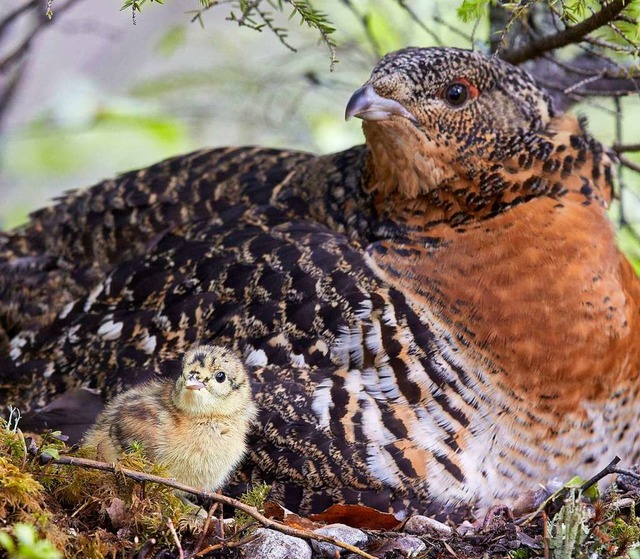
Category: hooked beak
<point>193,384</point>
<point>366,104</point>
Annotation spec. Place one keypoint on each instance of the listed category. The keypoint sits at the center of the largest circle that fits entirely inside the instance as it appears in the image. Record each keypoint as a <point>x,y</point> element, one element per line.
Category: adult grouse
<point>437,319</point>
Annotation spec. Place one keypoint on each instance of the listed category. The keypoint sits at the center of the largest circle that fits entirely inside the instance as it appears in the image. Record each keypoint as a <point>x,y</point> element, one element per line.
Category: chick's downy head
<point>213,380</point>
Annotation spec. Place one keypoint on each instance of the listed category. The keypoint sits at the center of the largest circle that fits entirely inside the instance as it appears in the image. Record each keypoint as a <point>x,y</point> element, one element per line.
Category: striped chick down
<point>196,426</point>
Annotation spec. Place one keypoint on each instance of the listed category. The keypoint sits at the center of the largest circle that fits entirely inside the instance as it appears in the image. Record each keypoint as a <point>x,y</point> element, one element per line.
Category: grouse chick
<point>195,426</point>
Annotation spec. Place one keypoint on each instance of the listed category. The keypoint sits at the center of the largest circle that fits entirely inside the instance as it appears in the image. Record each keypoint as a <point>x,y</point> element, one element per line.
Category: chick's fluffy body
<point>198,434</point>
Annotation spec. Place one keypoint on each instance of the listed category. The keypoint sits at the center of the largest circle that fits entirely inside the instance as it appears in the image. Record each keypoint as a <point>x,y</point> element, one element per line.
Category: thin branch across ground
<point>216,497</point>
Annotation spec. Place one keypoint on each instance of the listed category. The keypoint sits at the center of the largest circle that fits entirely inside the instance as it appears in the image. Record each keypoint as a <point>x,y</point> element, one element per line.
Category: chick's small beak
<point>193,383</point>
<point>366,104</point>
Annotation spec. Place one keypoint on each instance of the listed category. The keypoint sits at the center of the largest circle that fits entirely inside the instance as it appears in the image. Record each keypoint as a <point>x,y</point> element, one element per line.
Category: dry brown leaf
<point>118,513</point>
<point>278,512</point>
<point>357,516</point>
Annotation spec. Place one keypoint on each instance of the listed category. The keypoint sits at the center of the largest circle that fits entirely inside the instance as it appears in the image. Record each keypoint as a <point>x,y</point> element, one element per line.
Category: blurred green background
<point>103,96</point>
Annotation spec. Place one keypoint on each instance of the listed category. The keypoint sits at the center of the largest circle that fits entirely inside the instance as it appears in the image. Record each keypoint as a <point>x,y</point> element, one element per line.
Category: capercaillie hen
<point>437,319</point>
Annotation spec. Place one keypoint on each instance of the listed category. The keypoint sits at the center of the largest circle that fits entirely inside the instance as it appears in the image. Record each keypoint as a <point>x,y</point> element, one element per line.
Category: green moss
<point>89,513</point>
<point>255,497</point>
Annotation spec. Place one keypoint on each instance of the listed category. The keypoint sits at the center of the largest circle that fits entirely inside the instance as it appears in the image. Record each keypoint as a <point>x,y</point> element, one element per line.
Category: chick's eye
<point>456,94</point>
<point>220,376</point>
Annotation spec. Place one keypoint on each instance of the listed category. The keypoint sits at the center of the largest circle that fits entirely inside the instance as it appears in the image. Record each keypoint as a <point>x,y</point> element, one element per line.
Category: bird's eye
<point>456,94</point>
<point>220,376</point>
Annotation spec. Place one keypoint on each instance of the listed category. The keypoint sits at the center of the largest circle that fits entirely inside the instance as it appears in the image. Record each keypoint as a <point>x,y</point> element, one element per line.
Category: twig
<point>629,164</point>
<point>365,22</point>
<point>229,501</point>
<point>545,534</point>
<point>602,93</point>
<point>414,17</point>
<point>10,18</point>
<point>577,96</point>
<point>443,23</point>
<point>609,45</point>
<point>582,82</point>
<point>176,539</point>
<point>246,10</point>
<point>205,529</point>
<point>619,148</point>
<point>620,34</point>
<point>621,184</point>
<point>567,36</point>
<point>628,74</point>
<point>628,19</point>
<point>224,545</point>
<point>618,471</point>
<point>23,47</point>
<point>561,493</point>
<point>601,474</point>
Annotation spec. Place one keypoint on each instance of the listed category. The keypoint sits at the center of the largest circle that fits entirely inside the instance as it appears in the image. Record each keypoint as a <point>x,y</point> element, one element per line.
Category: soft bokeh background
<point>103,96</point>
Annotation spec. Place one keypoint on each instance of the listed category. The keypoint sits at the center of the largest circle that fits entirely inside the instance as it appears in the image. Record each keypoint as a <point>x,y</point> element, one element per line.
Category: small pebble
<point>403,546</point>
<point>275,545</point>
<point>425,526</point>
<point>340,532</point>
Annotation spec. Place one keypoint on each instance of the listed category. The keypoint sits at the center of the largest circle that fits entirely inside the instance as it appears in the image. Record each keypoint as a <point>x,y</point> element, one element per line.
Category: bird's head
<point>447,92</point>
<point>213,380</point>
<point>440,120</point>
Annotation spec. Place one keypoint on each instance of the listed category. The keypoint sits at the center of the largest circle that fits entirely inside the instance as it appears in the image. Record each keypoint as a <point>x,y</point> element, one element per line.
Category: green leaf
<point>52,452</point>
<point>25,534</point>
<point>6,541</point>
<point>471,10</point>
<point>171,40</point>
<point>574,483</point>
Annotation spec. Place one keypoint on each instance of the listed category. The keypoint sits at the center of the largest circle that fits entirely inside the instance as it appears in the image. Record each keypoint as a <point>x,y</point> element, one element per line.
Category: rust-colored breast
<point>551,307</point>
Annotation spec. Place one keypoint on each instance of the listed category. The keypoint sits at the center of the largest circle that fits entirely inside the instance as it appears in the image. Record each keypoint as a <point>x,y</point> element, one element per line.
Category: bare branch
<point>619,148</point>
<point>365,22</point>
<point>585,81</point>
<point>628,473</point>
<point>611,46</point>
<point>414,17</point>
<point>8,92</point>
<point>225,545</point>
<point>440,21</point>
<point>621,183</point>
<point>629,164</point>
<point>626,18</point>
<point>176,539</point>
<point>606,73</point>
<point>23,48</point>
<point>10,18</point>
<point>216,497</point>
<point>567,36</point>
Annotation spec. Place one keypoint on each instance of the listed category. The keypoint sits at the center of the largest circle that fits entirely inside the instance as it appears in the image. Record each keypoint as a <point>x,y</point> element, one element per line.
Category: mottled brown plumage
<point>195,426</point>
<point>434,321</point>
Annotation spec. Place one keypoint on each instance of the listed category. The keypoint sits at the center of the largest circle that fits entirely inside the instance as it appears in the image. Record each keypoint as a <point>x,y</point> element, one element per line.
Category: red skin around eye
<point>472,89</point>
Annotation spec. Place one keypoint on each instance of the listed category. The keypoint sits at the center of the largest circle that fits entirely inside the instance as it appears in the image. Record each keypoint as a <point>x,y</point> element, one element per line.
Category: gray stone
<point>425,526</point>
<point>405,546</point>
<point>340,532</point>
<point>276,545</point>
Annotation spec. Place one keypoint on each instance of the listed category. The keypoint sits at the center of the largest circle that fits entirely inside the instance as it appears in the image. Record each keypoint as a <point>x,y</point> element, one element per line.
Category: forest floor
<point>56,502</point>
